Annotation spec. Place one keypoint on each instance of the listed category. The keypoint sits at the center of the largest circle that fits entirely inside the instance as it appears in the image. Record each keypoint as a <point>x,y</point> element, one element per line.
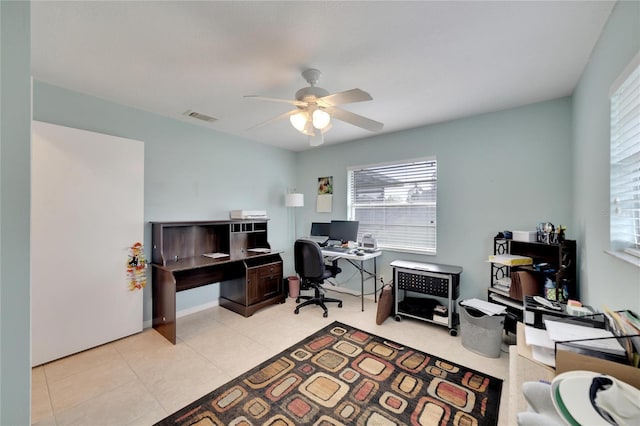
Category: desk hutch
<point>235,253</point>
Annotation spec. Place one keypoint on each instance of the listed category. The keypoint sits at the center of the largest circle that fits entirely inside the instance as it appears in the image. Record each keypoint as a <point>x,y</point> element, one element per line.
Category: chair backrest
<point>309,262</point>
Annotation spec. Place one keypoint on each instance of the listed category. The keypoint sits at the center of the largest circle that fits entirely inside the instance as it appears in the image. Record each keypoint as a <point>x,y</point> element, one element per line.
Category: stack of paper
<point>259,250</point>
<point>215,255</point>
<point>584,337</point>
<point>484,307</point>
<point>542,347</point>
<point>543,342</point>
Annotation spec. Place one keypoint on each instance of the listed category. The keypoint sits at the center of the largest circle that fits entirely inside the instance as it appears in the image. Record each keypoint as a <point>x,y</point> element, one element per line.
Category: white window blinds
<point>396,203</point>
<point>625,159</point>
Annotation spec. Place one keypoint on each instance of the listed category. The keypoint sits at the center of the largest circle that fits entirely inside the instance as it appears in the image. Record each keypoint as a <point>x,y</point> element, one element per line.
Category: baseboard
<point>188,311</point>
<point>194,309</point>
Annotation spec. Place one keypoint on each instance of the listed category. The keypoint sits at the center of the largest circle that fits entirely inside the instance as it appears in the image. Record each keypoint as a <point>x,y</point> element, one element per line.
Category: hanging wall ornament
<point>136,268</point>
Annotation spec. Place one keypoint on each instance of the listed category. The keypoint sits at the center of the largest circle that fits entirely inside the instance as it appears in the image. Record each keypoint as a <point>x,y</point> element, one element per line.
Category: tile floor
<point>141,379</point>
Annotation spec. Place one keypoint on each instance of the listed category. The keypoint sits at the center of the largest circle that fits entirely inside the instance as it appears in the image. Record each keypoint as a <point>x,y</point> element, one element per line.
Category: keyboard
<point>337,249</point>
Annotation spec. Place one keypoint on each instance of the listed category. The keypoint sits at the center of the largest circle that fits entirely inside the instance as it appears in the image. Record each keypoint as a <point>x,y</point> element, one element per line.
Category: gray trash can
<point>481,333</point>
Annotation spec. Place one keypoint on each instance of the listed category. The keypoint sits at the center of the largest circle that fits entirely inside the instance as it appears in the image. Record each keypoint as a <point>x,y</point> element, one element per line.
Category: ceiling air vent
<point>200,116</point>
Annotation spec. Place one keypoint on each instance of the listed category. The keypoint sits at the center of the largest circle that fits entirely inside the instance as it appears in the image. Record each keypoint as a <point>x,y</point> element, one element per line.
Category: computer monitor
<point>320,229</point>
<point>344,230</point>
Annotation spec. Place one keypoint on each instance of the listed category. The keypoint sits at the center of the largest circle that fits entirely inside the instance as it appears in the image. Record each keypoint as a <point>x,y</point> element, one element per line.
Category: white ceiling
<point>422,62</point>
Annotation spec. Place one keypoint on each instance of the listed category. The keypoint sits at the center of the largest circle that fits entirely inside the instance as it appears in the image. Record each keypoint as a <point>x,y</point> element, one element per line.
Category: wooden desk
<point>358,263</point>
<point>250,275</point>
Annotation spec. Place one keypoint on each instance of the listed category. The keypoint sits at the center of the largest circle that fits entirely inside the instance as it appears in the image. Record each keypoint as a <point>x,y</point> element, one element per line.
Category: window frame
<point>624,248</point>
<point>398,243</point>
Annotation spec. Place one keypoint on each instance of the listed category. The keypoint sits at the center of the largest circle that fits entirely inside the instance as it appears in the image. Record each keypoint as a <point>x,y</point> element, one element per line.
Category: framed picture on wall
<point>325,185</point>
<point>325,193</point>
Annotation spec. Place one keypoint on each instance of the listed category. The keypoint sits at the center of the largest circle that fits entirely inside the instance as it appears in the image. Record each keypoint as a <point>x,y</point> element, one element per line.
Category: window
<point>625,161</point>
<point>396,203</point>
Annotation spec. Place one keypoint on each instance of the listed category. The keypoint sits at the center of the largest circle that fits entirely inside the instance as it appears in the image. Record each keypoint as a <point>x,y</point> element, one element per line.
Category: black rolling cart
<point>440,282</point>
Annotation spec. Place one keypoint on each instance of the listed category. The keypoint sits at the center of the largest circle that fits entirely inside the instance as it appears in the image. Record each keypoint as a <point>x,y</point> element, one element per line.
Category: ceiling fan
<point>315,107</point>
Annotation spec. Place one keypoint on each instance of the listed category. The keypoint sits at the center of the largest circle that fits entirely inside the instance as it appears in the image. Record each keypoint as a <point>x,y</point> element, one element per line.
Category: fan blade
<point>346,97</point>
<point>286,101</point>
<point>273,120</point>
<point>355,119</point>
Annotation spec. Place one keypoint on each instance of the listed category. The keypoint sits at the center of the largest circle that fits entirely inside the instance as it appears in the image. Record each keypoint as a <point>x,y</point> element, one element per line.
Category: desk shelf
<point>561,262</point>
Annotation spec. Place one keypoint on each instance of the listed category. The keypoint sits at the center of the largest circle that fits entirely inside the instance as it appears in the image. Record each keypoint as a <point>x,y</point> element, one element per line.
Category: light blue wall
<point>504,170</point>
<point>191,172</point>
<point>607,281</point>
<point>15,159</point>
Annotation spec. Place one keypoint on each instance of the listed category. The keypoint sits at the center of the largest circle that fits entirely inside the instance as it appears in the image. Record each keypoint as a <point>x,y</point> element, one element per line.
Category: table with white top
<point>358,261</point>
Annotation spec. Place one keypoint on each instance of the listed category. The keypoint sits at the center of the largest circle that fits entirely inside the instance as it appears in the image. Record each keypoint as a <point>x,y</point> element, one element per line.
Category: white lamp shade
<point>321,119</point>
<point>299,120</point>
<point>294,200</point>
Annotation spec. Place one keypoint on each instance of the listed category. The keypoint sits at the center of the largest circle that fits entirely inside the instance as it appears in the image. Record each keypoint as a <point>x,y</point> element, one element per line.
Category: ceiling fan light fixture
<point>299,120</point>
<point>308,128</point>
<point>316,109</point>
<point>321,119</point>
<point>316,139</point>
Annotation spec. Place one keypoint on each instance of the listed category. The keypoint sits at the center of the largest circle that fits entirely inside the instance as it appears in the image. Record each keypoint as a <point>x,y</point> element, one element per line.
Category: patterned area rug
<point>344,376</point>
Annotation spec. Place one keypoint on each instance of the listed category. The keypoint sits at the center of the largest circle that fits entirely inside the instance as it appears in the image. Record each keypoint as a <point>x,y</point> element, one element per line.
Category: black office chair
<point>310,266</point>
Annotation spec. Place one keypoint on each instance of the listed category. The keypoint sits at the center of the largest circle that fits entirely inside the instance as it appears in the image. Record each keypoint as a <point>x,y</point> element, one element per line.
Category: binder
<point>523,283</point>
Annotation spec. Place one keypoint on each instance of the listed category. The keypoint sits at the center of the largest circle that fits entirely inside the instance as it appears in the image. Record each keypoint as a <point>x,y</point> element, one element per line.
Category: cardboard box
<point>567,360</point>
<point>526,236</point>
<point>571,361</point>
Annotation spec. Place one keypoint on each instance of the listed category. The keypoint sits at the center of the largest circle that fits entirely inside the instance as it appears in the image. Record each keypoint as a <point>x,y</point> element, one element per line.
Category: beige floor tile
<point>123,405</point>
<point>141,379</point>
<point>138,346</point>
<point>184,385</point>
<point>80,387</point>
<point>178,375</point>
<point>192,324</point>
<point>80,362</point>
<point>41,409</point>
<point>48,421</point>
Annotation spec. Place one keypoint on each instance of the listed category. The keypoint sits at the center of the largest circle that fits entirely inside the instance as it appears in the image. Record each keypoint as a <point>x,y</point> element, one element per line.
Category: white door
<point>87,209</point>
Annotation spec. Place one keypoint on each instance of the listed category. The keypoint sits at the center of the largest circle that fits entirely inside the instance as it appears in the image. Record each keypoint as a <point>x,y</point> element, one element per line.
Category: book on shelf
<point>503,284</point>
<point>510,259</point>
<point>441,319</point>
<point>499,290</point>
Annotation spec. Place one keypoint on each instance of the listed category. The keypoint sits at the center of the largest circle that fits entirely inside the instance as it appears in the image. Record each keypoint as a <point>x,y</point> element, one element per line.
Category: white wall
<point>504,170</point>
<point>607,281</point>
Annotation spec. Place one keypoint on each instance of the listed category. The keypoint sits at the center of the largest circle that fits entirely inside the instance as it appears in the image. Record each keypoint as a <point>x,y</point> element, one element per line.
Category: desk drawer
<point>270,269</point>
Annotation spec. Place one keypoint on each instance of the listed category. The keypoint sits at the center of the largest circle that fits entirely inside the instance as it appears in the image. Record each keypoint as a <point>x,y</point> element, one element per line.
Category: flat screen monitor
<point>344,230</point>
<point>320,229</point>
